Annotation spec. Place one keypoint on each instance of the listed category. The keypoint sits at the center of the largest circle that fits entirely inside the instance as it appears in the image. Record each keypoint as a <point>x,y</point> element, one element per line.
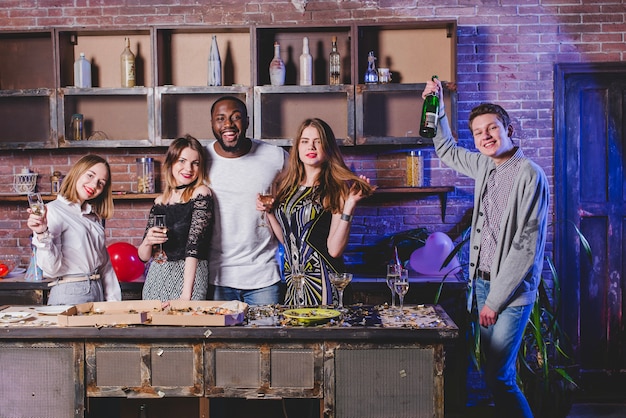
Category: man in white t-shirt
<point>242,262</point>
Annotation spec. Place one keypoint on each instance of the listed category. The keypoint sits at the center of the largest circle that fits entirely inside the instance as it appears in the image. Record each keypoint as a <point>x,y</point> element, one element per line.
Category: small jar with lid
<point>145,175</point>
<point>415,169</point>
<point>55,182</point>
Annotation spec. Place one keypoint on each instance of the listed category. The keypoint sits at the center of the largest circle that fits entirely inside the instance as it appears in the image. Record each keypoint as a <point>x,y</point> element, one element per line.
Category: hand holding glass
<point>266,195</point>
<point>35,202</point>
<point>339,282</point>
<point>160,257</point>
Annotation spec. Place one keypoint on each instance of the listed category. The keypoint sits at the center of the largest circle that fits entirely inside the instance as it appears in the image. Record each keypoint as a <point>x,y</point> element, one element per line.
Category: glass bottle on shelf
<point>277,68</point>
<point>371,75</point>
<point>128,65</point>
<point>430,115</point>
<point>215,65</point>
<point>334,61</point>
<point>306,64</point>
<point>82,72</point>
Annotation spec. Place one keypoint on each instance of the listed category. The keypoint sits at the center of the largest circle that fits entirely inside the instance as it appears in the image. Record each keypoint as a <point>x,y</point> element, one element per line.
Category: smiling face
<point>491,137</point>
<point>92,182</point>
<point>186,168</point>
<point>229,122</point>
<point>310,147</point>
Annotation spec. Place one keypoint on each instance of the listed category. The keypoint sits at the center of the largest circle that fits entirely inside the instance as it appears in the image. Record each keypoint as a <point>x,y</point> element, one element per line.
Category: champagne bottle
<point>128,65</point>
<point>430,115</point>
<point>277,68</point>
<point>335,64</point>
<point>306,64</point>
<point>215,65</point>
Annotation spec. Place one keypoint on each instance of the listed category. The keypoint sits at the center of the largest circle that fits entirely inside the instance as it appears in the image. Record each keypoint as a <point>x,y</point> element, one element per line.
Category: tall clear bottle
<point>334,61</point>
<point>82,72</point>
<point>277,68</point>
<point>127,60</point>
<point>306,64</point>
<point>215,65</point>
<point>430,115</point>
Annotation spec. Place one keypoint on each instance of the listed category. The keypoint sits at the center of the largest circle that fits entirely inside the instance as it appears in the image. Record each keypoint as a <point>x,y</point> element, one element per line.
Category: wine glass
<point>36,203</point>
<point>339,281</point>
<point>159,256</point>
<point>401,287</point>
<point>297,281</point>
<point>266,195</point>
<point>393,273</point>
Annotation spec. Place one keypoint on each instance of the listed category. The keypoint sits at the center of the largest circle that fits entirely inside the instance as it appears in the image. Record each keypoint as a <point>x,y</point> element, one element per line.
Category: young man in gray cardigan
<point>507,239</point>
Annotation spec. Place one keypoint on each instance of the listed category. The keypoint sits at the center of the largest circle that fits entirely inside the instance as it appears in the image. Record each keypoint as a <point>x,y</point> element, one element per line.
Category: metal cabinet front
<point>43,379</point>
<point>144,369</point>
<point>264,370</point>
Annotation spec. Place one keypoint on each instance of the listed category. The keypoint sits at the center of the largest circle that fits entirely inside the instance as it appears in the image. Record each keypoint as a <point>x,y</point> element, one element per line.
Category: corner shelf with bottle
<point>27,90</point>
<point>195,67</point>
<point>117,106</point>
<point>291,101</point>
<point>389,113</point>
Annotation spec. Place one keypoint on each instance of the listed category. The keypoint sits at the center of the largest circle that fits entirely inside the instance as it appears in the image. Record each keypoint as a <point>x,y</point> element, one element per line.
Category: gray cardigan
<point>518,260</point>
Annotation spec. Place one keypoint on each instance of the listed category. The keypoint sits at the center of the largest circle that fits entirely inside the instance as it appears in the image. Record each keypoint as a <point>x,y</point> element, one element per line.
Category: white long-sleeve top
<point>76,246</point>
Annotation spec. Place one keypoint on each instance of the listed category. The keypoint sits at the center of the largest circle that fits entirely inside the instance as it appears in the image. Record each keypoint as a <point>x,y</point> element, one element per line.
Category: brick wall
<point>506,53</point>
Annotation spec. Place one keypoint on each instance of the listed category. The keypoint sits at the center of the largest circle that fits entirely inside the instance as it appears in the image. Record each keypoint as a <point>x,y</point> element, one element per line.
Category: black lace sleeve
<point>201,228</point>
<point>150,222</point>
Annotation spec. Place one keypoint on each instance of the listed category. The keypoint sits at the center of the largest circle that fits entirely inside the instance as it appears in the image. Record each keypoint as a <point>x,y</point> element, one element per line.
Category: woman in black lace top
<point>187,203</point>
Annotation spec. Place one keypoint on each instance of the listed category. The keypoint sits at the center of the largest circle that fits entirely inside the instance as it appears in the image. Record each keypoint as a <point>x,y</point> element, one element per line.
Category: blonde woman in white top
<point>69,237</point>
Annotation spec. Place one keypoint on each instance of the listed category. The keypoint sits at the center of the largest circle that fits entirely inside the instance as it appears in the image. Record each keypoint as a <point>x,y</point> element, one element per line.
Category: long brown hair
<point>173,153</point>
<point>335,178</point>
<point>102,205</point>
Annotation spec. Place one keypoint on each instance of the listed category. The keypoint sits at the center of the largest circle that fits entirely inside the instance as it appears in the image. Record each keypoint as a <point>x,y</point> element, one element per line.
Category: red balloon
<point>126,262</point>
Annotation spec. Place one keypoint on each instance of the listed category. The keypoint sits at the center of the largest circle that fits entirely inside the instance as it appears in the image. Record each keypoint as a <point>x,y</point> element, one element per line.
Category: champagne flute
<point>297,280</point>
<point>36,203</point>
<point>393,273</point>
<point>266,195</point>
<point>159,256</point>
<point>401,287</point>
<point>339,282</point>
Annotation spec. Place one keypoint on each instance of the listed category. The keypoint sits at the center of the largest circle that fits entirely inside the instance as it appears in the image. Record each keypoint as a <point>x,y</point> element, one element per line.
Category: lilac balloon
<point>428,259</point>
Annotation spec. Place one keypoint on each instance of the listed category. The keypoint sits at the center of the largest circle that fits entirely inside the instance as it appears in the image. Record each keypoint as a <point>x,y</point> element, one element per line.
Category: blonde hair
<point>171,157</point>
<point>335,179</point>
<point>102,205</point>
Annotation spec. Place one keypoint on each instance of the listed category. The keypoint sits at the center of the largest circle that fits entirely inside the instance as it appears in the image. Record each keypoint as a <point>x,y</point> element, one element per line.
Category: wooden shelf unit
<point>172,97</point>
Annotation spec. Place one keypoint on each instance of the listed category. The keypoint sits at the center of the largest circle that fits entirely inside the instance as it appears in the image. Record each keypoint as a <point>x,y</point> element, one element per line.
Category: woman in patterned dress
<point>187,203</point>
<point>315,201</point>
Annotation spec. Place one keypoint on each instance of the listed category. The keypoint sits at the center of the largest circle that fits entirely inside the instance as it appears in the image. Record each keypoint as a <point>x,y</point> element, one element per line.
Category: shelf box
<point>112,117</point>
<point>289,106</point>
<point>183,53</point>
<point>103,50</point>
<point>412,52</point>
<point>187,110</point>
<point>290,40</point>
<point>27,61</point>
<point>27,119</point>
<point>390,113</point>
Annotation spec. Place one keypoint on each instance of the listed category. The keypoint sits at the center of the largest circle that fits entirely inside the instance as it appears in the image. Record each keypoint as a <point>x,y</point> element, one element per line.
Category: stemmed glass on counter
<point>36,203</point>
<point>401,287</point>
<point>297,280</point>
<point>339,282</point>
<point>160,257</point>
<point>393,273</point>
